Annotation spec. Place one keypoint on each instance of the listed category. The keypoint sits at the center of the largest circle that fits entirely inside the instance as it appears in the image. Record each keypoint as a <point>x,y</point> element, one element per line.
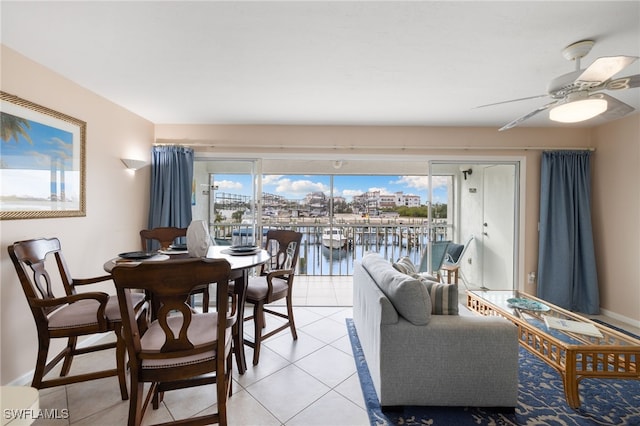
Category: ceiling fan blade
<point>604,68</point>
<point>512,100</point>
<point>615,108</point>
<point>623,83</point>
<point>517,121</point>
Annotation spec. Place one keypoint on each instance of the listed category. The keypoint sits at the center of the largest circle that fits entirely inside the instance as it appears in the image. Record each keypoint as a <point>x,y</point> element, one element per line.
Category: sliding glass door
<point>345,215</point>
<point>483,208</point>
<point>225,195</point>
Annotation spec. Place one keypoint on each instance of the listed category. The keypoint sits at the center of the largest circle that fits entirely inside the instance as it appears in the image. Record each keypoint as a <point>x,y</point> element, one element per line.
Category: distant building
<point>408,200</point>
<point>373,200</point>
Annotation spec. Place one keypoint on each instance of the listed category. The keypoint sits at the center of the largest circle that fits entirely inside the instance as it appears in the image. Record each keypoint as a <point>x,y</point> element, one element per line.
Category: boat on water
<point>334,238</point>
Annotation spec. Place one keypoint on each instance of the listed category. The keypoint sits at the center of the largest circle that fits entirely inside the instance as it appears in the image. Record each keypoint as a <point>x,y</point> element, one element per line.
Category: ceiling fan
<point>577,96</point>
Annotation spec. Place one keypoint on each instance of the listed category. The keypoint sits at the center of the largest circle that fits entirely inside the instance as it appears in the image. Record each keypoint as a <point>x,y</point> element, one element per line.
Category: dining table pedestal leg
<point>240,288</point>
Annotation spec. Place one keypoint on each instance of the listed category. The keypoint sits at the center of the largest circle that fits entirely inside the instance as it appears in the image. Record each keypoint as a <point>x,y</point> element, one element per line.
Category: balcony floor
<point>315,290</point>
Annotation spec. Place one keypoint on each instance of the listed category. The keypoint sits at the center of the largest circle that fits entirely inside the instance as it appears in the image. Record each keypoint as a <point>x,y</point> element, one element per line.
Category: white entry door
<point>498,248</point>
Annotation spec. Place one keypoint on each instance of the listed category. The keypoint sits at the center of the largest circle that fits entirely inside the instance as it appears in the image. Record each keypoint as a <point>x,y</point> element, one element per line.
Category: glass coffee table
<point>572,344</point>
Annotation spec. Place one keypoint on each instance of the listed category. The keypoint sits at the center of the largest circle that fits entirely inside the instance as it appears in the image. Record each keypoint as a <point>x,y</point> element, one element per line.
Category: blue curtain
<point>566,259</point>
<point>171,180</point>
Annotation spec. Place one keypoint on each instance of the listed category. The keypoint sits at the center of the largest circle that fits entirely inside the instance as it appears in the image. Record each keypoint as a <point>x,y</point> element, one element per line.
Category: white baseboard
<point>632,322</point>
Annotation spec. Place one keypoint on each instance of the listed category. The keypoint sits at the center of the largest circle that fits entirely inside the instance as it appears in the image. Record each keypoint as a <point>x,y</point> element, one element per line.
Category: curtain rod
<point>212,145</point>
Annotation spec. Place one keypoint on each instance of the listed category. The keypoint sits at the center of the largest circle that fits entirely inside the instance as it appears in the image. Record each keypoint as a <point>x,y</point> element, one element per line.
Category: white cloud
<point>422,182</point>
<point>382,190</point>
<point>270,179</point>
<point>300,187</point>
<point>228,185</point>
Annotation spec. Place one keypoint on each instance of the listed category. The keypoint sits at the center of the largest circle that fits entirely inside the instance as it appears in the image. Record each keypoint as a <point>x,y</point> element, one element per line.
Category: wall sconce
<point>466,173</point>
<point>133,164</point>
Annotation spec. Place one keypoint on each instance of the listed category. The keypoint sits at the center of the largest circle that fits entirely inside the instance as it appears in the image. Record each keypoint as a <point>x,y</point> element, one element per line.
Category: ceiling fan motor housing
<point>561,86</point>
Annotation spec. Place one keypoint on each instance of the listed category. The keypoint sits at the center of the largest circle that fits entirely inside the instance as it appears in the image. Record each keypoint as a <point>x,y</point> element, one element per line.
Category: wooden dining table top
<point>238,261</point>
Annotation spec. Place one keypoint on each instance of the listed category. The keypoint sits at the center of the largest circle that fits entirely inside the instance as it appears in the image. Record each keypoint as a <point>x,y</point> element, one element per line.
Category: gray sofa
<point>416,358</point>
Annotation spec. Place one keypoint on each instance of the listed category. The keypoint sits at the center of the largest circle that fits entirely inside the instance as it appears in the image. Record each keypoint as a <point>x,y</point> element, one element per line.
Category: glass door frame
<point>519,163</point>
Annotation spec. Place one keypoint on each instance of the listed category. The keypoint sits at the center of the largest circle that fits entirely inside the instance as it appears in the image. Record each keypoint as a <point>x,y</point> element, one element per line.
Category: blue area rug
<point>541,400</point>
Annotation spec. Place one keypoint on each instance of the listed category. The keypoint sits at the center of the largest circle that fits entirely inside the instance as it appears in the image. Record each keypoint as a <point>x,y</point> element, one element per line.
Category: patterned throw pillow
<point>444,297</point>
<point>406,266</point>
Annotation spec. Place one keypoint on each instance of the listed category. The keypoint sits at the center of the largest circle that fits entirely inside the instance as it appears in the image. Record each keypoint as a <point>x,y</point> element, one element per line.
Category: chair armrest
<point>279,273</point>
<point>101,297</point>
<point>85,281</point>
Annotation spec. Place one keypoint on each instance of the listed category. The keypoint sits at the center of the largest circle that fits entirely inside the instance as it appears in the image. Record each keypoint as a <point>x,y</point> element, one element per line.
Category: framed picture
<point>42,161</point>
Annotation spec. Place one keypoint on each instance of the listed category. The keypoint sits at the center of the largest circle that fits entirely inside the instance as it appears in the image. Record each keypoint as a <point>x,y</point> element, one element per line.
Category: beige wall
<point>117,199</point>
<point>616,215</point>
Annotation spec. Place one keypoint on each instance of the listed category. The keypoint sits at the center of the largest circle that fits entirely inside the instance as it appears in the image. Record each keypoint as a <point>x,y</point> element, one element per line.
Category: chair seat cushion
<point>202,331</point>
<point>83,312</point>
<point>113,310</point>
<point>257,288</point>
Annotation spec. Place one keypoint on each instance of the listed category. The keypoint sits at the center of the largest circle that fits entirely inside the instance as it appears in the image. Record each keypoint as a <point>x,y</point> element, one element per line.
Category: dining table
<point>243,263</point>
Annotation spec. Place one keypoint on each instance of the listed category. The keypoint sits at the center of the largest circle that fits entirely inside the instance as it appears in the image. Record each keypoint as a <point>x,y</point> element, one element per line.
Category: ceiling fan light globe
<point>576,111</point>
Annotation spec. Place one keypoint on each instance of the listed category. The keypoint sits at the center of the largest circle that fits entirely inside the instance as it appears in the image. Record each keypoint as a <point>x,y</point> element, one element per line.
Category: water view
<point>328,249</point>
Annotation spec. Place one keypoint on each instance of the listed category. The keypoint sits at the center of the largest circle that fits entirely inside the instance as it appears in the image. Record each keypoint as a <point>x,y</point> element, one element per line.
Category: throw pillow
<point>406,266</point>
<point>444,297</point>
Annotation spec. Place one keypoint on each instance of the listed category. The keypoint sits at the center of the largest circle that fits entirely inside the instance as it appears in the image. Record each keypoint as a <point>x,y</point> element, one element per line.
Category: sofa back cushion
<point>407,294</point>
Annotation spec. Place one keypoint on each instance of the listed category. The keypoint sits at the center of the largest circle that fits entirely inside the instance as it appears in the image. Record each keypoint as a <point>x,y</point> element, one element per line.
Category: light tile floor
<point>311,381</point>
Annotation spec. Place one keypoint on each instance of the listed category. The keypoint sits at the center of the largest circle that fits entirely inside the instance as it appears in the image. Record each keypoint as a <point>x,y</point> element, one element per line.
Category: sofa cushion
<point>444,297</point>
<point>407,294</point>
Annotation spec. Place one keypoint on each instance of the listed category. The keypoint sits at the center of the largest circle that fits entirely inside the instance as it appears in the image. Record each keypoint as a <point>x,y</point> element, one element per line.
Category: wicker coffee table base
<point>615,356</point>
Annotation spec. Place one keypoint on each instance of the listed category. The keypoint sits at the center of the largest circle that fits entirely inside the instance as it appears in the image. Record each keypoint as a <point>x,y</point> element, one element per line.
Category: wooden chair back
<point>165,236</point>
<point>284,248</point>
<point>171,282</point>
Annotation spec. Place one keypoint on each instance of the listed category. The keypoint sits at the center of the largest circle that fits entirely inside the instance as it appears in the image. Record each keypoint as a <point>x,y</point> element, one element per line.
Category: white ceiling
<point>333,62</point>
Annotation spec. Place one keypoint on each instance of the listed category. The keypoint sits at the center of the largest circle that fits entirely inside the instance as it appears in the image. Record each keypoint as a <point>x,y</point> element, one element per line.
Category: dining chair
<point>453,258</point>
<point>275,282</point>
<point>69,316</point>
<point>165,236</point>
<point>180,348</point>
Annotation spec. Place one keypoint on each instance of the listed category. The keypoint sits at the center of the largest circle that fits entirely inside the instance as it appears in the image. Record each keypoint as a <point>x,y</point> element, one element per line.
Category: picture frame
<point>42,161</point>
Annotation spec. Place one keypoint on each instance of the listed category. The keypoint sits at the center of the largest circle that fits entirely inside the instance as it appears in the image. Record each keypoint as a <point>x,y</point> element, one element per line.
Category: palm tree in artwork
<point>11,127</point>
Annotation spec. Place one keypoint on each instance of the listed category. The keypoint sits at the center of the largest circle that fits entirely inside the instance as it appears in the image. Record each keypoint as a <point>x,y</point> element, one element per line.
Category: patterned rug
<point>541,400</point>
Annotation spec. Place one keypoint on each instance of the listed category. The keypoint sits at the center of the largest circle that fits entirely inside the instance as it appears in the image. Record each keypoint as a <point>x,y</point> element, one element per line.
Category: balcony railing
<point>331,249</point>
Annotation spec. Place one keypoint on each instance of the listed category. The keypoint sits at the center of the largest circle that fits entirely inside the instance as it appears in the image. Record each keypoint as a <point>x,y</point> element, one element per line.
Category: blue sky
<point>295,187</point>
<point>46,143</point>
